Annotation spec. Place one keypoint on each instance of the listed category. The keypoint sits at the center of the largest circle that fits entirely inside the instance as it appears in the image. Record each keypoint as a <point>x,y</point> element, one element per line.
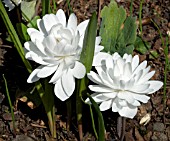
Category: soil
<point>31,121</point>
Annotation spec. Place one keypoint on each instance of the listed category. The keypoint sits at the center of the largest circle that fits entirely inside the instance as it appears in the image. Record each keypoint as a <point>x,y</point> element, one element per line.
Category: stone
<point>157,136</point>
<point>23,138</point>
<point>158,126</point>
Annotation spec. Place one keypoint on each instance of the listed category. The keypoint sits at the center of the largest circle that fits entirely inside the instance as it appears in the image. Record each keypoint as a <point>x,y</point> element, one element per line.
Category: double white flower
<point>57,46</point>
<point>122,83</point>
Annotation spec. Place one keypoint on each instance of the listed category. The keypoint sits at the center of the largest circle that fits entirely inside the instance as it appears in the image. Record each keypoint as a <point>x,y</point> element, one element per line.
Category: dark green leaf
<point>101,130</point>
<point>33,23</point>
<point>28,8</point>
<point>87,54</point>
<point>141,46</point>
<point>112,20</point>
<point>118,32</point>
<point>22,31</point>
<point>153,54</point>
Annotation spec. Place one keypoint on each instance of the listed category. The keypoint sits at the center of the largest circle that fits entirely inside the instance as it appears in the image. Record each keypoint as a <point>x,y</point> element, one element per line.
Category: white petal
<point>138,76</point>
<point>82,27</point>
<point>125,56</point>
<point>100,89</point>
<point>30,46</point>
<point>115,56</point>
<point>41,27</point>
<point>129,84</point>
<point>120,63</point>
<point>135,62</point>
<point>59,92</point>
<point>140,67</point>
<point>115,106</point>
<point>98,98</point>
<point>122,103</point>
<point>126,96</point>
<point>142,98</point>
<point>127,70</point>
<point>61,17</point>
<point>94,77</point>
<point>129,58</point>
<point>109,63</point>
<point>9,4</point>
<point>139,88</point>
<point>79,70</point>
<point>49,20</point>
<point>100,57</point>
<point>66,34</point>
<point>98,48</point>
<point>35,35</point>
<point>105,105</point>
<point>98,40</point>
<point>135,103</point>
<point>33,76</point>
<point>47,71</point>
<point>105,79</point>
<point>117,71</point>
<point>128,112</point>
<point>155,85</point>
<point>122,84</point>
<point>41,47</point>
<point>110,95</point>
<point>68,83</point>
<point>57,75</point>
<point>32,56</point>
<point>72,22</point>
<point>146,77</point>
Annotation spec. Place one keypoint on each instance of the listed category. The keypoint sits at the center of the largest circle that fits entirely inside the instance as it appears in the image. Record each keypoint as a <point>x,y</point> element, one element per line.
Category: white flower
<point>10,5</point>
<point>122,83</point>
<point>57,46</point>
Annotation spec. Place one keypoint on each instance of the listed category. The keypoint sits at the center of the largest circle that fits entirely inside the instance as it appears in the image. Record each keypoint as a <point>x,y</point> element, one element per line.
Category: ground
<point>33,127</point>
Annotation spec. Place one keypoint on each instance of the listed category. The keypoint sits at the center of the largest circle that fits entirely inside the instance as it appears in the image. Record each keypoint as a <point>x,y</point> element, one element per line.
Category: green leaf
<point>118,32</point>
<point>87,54</point>
<point>153,54</point>
<point>86,58</point>
<point>22,31</point>
<point>112,20</point>
<point>101,130</point>
<point>141,46</point>
<point>33,23</point>
<point>128,33</point>
<point>28,8</point>
<point>45,7</point>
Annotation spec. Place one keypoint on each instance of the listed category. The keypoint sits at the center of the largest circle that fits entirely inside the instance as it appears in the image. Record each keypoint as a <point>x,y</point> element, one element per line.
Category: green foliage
<point>153,54</point>
<point>22,31</point>
<point>87,54</point>
<point>28,8</point>
<point>141,46</point>
<point>45,7</point>
<point>86,58</point>
<point>33,22</point>
<point>10,103</point>
<point>101,127</point>
<point>118,32</point>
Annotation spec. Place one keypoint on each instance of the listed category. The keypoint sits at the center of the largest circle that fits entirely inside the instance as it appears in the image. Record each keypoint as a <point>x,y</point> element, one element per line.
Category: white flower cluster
<point>121,83</point>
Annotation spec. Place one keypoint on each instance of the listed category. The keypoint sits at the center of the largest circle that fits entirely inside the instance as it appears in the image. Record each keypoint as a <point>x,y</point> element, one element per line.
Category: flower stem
<point>10,104</point>
<point>69,113</point>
